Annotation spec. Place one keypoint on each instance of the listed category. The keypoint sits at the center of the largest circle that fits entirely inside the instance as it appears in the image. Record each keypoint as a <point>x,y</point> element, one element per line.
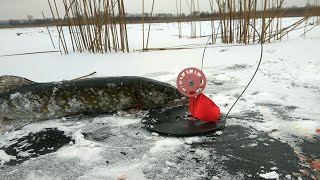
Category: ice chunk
<point>253,145</point>
<point>202,153</point>
<point>192,140</point>
<point>288,176</point>
<point>155,134</point>
<point>253,136</point>
<point>219,133</point>
<point>15,96</point>
<point>171,164</point>
<point>273,168</point>
<point>4,157</point>
<point>166,170</point>
<point>215,178</point>
<point>168,144</point>
<point>23,154</point>
<point>270,175</point>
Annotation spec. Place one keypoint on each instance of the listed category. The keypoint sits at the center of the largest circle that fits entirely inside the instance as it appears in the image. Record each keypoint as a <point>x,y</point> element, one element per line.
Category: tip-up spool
<point>176,121</point>
<point>191,82</point>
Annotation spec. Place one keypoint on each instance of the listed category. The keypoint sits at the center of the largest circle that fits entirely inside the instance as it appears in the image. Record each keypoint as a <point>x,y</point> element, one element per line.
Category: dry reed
<point>97,26</point>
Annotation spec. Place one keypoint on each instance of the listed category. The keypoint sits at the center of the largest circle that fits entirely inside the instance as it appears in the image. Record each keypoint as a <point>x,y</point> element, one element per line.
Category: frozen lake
<point>271,129</point>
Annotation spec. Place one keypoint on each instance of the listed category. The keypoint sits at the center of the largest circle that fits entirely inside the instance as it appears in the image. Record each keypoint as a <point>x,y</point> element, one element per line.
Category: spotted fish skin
<point>40,101</point>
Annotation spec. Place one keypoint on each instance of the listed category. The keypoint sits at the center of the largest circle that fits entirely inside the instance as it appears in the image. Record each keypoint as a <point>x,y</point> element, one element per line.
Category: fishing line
<point>205,48</point>
<point>254,74</point>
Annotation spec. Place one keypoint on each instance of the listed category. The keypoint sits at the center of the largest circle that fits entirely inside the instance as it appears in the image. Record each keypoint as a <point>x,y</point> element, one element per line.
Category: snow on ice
<point>86,151</point>
<point>282,102</point>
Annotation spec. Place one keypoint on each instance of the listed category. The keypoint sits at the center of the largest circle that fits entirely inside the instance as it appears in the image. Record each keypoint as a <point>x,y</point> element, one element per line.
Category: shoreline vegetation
<point>100,26</point>
<point>162,17</point>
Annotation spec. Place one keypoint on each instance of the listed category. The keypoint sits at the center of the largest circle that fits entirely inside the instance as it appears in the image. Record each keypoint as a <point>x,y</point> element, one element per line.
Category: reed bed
<point>97,26</point>
<point>239,18</point>
<point>312,9</point>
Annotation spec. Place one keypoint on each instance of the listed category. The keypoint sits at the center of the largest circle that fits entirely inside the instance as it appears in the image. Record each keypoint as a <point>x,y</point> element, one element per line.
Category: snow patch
<point>23,154</point>
<point>87,151</point>
<point>171,164</point>
<point>219,133</point>
<point>128,171</point>
<point>215,178</point>
<point>116,121</point>
<point>4,157</point>
<point>288,176</point>
<point>253,145</point>
<point>35,176</point>
<point>274,169</point>
<point>15,96</point>
<point>252,136</point>
<point>155,134</point>
<point>191,140</point>
<point>202,153</point>
<point>168,144</point>
<point>270,175</point>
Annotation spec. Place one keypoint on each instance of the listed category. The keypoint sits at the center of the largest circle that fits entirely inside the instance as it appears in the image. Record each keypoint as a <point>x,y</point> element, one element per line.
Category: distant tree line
<point>13,22</point>
<point>164,17</point>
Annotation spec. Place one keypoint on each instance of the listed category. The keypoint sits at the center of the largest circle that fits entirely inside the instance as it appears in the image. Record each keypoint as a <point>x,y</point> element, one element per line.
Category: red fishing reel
<point>191,82</point>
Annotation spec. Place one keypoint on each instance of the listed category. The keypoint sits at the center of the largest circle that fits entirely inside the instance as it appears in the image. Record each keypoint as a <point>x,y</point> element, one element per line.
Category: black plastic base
<point>174,122</point>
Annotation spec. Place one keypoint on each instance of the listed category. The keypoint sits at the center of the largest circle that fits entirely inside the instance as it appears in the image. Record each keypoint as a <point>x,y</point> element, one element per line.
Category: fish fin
<point>8,83</point>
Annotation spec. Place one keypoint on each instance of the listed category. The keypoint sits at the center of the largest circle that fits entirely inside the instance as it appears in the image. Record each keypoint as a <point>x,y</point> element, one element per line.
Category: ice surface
<point>283,102</point>
<point>33,176</point>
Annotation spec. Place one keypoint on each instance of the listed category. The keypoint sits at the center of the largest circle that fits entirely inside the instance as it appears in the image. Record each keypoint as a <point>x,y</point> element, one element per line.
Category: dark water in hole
<point>35,144</point>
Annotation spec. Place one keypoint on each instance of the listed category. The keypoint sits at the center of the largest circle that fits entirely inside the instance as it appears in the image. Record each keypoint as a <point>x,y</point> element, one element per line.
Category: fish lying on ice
<point>21,98</point>
<point>23,101</point>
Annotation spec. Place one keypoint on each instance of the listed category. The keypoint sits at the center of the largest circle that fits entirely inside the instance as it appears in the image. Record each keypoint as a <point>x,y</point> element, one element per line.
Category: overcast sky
<point>19,9</point>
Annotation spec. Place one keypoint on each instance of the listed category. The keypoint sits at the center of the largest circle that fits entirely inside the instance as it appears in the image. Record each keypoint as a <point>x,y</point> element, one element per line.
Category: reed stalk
<point>149,28</point>
<point>44,18</point>
<point>92,25</point>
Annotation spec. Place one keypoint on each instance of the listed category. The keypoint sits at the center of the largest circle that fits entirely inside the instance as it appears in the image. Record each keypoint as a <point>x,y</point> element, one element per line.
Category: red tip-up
<point>205,109</point>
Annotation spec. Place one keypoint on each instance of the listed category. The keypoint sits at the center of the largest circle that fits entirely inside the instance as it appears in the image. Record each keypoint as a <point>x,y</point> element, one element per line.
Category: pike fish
<point>21,98</point>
